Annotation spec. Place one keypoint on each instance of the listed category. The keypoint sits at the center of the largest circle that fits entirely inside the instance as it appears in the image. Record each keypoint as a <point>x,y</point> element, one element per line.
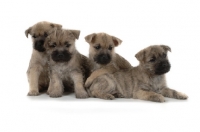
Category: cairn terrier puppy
<point>103,57</point>
<point>37,71</point>
<point>67,67</point>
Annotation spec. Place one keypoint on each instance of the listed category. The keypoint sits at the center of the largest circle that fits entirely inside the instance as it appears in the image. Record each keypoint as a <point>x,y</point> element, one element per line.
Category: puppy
<point>67,66</point>
<point>103,56</point>
<point>146,81</point>
<point>37,71</point>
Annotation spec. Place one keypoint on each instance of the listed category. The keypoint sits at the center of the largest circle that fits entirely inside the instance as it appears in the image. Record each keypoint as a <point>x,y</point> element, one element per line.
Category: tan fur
<point>105,41</point>
<point>37,71</point>
<point>139,82</point>
<point>75,71</point>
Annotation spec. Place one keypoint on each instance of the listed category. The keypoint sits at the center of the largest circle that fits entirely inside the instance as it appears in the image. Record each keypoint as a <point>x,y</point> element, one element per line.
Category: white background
<point>139,24</point>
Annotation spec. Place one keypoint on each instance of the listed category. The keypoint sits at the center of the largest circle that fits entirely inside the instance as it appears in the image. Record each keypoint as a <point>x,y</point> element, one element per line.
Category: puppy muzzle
<point>103,59</point>
<point>61,56</point>
<point>162,68</point>
<point>39,45</point>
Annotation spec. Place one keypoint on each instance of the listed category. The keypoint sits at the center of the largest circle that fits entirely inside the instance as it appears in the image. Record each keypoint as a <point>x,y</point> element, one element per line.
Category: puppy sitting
<point>103,56</point>
<point>37,71</point>
<point>146,81</point>
<point>67,66</point>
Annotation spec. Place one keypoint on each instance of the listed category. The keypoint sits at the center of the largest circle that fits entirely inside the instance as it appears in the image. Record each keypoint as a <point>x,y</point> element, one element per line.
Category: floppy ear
<point>116,40</point>
<point>166,48</point>
<point>90,38</point>
<point>140,55</point>
<point>58,26</point>
<point>28,31</point>
<point>76,33</point>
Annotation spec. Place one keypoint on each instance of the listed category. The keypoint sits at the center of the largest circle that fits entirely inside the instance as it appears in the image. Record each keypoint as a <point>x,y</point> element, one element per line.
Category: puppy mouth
<point>163,68</point>
<point>39,45</point>
<point>103,59</point>
<point>61,56</point>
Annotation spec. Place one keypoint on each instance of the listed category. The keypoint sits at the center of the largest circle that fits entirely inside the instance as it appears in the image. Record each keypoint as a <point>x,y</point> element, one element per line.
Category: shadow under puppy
<point>146,81</point>
<point>103,57</point>
<point>67,66</point>
<point>37,71</point>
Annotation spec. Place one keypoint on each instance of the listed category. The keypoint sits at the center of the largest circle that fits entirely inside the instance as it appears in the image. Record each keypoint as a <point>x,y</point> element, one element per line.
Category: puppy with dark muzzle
<point>103,56</point>
<point>67,66</point>
<point>37,71</point>
<point>146,81</point>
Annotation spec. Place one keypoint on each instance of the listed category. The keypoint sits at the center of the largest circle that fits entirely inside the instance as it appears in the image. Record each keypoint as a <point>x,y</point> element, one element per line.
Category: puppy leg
<point>33,74</point>
<point>99,72</point>
<point>55,86</point>
<point>103,87</point>
<point>80,91</point>
<point>167,92</point>
<point>148,95</point>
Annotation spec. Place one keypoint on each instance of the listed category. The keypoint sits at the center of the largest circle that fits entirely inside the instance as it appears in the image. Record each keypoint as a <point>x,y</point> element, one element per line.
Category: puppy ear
<point>140,55</point>
<point>166,48</point>
<point>90,38</point>
<point>28,31</point>
<point>116,41</point>
<point>76,33</point>
<point>58,26</point>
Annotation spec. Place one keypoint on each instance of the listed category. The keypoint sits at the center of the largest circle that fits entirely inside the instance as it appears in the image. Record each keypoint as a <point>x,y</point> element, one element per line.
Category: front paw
<point>157,98</point>
<point>55,93</point>
<point>108,97</point>
<point>179,95</point>
<point>33,93</point>
<point>81,94</point>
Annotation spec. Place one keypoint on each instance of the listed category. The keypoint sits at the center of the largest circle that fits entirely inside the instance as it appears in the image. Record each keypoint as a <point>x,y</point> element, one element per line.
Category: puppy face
<point>154,59</point>
<point>39,32</point>
<point>60,44</point>
<point>102,47</point>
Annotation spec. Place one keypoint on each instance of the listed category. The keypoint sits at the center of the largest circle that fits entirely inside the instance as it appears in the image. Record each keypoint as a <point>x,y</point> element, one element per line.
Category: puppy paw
<point>82,94</point>
<point>33,93</point>
<point>55,94</point>
<point>179,95</point>
<point>118,95</point>
<point>108,97</point>
<point>157,98</point>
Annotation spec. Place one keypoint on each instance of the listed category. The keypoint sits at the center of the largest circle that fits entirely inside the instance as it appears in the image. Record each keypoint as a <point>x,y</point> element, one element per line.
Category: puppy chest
<point>156,84</point>
<point>62,71</point>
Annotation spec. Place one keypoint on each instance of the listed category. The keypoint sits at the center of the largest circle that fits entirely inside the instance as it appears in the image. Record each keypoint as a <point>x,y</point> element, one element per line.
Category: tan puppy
<point>37,71</point>
<point>102,54</point>
<point>67,66</point>
<point>146,81</point>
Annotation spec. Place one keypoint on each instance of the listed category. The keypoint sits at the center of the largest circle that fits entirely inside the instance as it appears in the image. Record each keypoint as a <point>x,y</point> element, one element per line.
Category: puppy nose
<point>60,55</point>
<point>164,64</point>
<point>104,57</point>
<point>40,42</point>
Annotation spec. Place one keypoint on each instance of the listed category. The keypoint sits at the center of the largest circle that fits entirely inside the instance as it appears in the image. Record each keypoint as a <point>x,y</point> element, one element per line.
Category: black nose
<point>105,57</point>
<point>40,42</point>
<point>60,55</point>
<point>164,65</point>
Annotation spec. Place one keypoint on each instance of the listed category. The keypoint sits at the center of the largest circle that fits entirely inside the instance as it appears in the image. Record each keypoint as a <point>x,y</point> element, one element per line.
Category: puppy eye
<point>110,47</point>
<point>53,45</point>
<point>67,44</point>
<point>164,55</point>
<point>153,59</point>
<point>45,34</point>
<point>97,47</point>
<point>34,36</point>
